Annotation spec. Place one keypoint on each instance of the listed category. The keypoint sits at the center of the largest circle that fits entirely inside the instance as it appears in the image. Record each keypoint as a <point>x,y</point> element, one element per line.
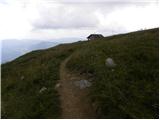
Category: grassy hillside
<point>23,79</point>
<point>130,90</point>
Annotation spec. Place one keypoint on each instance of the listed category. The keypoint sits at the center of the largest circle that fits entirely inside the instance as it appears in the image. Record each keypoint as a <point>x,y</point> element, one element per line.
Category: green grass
<point>130,91</point>
<point>21,97</point>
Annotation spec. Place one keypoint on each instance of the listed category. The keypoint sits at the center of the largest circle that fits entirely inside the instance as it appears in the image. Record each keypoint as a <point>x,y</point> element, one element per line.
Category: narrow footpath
<point>74,101</point>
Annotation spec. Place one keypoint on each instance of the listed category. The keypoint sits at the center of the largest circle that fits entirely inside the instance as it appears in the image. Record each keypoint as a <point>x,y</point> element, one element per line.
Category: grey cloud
<point>64,14</point>
<point>61,18</point>
<point>65,23</point>
<point>64,17</point>
<point>104,2</point>
<point>96,1</point>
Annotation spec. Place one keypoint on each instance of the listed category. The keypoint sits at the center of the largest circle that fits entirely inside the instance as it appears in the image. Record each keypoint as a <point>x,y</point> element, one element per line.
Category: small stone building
<point>94,36</point>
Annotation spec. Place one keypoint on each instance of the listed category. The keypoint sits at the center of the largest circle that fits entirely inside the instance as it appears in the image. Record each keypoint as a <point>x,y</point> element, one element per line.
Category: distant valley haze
<point>11,48</point>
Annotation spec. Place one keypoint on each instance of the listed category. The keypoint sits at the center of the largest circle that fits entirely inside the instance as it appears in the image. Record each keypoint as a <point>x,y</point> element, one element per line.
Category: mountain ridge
<point>129,90</point>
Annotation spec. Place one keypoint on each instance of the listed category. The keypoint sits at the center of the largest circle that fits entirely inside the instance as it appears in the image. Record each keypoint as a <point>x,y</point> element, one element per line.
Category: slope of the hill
<point>129,90</point>
<point>28,84</point>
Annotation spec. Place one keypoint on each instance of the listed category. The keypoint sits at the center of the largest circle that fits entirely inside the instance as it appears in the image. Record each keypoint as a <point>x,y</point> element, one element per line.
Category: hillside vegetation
<point>129,90</point>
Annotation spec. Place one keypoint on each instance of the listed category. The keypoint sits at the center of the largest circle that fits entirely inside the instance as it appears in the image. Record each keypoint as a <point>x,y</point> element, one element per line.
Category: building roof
<point>96,35</point>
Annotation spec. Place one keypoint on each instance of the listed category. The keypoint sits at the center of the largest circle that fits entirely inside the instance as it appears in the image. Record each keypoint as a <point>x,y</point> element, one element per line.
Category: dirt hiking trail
<point>74,101</point>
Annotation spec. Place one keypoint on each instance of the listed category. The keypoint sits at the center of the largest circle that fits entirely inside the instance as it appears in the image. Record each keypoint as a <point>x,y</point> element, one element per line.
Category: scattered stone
<point>22,77</point>
<point>82,84</point>
<point>57,85</point>
<point>42,89</point>
<point>110,63</point>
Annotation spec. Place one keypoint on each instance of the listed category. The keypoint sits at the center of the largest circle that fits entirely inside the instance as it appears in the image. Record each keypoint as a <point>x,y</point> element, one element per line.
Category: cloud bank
<point>49,19</point>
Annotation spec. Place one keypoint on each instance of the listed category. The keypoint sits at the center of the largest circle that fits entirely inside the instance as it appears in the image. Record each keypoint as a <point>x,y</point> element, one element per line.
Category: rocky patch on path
<point>82,84</point>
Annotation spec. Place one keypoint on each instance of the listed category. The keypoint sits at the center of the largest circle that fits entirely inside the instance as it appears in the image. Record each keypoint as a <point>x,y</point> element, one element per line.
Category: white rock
<point>42,89</point>
<point>22,77</point>
<point>110,63</point>
<point>57,85</point>
<point>82,84</point>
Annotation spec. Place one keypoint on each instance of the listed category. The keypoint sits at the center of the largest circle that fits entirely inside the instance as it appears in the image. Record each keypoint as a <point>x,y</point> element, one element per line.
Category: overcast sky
<point>52,19</point>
